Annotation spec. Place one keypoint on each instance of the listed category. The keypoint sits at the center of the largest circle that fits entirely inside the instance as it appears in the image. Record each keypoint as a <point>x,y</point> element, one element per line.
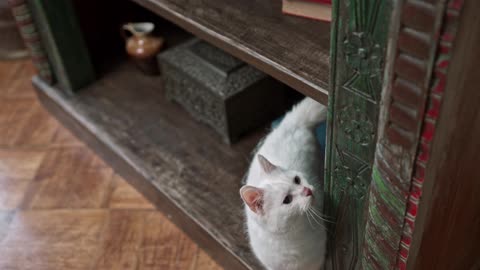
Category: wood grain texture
<point>11,84</point>
<point>148,141</point>
<point>44,257</point>
<point>25,122</point>
<point>5,220</point>
<point>70,178</point>
<point>444,46</point>
<point>63,137</point>
<point>359,48</point>
<point>17,169</point>
<point>34,227</point>
<point>293,50</point>
<point>123,236</point>
<point>396,188</point>
<point>447,226</point>
<point>59,239</point>
<point>62,208</point>
<point>124,196</point>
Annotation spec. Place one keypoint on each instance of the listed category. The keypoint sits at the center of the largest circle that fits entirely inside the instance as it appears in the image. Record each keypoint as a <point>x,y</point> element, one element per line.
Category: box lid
<point>217,70</point>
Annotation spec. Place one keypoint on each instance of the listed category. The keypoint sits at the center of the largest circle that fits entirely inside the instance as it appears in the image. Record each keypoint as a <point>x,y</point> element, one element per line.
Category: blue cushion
<point>321,131</point>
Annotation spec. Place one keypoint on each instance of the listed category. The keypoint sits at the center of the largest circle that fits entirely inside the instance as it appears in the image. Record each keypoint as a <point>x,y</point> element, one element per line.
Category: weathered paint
<point>406,129</point>
<point>358,46</point>
<point>442,61</point>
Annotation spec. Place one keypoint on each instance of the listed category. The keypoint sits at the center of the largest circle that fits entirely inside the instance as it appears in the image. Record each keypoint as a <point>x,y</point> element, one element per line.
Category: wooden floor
<point>61,207</point>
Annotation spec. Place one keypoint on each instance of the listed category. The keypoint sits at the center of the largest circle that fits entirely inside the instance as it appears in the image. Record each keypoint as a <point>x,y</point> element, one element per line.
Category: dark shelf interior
<point>291,49</point>
<point>164,153</point>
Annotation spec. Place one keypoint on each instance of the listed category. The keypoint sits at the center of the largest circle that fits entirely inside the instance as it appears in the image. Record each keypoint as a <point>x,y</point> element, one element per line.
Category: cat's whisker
<point>311,213</point>
<point>314,211</point>
<point>318,222</point>
<point>317,214</point>
<point>324,217</point>
<point>313,227</point>
<point>330,218</point>
<point>316,182</point>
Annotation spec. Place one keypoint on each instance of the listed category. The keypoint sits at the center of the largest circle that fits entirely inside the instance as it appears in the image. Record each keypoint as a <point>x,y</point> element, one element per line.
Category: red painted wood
<point>428,128</point>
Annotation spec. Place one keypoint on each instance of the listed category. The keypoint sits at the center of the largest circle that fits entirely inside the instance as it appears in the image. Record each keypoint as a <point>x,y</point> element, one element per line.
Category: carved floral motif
<point>362,53</point>
<point>351,181</point>
<point>356,125</point>
<point>361,37</point>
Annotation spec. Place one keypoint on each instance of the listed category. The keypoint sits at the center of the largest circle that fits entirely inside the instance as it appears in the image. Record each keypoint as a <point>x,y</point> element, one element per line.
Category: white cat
<point>283,196</point>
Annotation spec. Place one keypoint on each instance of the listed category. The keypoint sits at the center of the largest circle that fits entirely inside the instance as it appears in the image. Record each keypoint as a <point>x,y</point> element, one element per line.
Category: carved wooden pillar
<point>389,64</point>
<point>360,31</point>
<point>411,101</point>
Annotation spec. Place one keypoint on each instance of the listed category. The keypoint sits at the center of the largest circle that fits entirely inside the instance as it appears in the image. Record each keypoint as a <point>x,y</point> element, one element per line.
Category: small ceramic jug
<point>142,46</point>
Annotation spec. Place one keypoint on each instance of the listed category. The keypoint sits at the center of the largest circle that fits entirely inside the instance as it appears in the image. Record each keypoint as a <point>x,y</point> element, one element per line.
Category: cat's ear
<point>266,165</point>
<point>253,197</point>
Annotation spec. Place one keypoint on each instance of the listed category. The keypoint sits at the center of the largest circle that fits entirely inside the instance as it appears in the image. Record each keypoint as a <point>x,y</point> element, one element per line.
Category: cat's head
<point>282,200</point>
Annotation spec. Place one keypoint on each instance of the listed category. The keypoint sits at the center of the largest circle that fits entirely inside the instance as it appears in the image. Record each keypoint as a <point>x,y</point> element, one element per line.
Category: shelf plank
<point>292,50</point>
<point>176,162</point>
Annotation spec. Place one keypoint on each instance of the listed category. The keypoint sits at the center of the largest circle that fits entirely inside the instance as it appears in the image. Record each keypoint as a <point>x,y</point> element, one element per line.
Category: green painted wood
<point>64,43</point>
<point>360,30</point>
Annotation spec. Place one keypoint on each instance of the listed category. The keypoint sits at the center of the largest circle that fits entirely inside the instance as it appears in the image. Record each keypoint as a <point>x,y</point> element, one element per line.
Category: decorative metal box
<point>220,90</point>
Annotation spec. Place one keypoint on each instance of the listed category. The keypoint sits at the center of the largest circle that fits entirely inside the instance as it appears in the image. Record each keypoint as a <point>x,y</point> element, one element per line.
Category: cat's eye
<point>296,180</point>
<point>288,199</point>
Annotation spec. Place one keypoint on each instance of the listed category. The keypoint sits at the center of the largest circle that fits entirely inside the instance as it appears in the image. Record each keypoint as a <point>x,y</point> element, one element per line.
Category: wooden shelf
<point>179,164</point>
<point>292,50</point>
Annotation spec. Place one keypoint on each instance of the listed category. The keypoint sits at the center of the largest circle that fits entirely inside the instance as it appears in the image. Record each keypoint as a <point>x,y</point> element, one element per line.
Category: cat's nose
<point>307,192</point>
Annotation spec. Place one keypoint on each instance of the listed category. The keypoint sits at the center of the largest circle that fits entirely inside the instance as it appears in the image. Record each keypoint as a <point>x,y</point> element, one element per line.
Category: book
<point>312,9</point>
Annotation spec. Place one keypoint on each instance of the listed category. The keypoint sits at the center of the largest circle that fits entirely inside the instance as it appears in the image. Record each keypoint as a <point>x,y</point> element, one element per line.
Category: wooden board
<point>359,38</point>
<point>66,49</point>
<point>31,37</point>
<point>447,226</point>
<point>410,117</point>
<point>177,163</point>
<point>293,50</point>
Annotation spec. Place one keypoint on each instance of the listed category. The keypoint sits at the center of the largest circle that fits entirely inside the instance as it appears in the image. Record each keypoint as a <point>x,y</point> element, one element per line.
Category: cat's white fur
<point>282,236</point>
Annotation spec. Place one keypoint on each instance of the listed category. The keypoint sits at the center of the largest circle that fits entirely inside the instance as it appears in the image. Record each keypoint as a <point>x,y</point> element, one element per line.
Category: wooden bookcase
<point>400,81</point>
